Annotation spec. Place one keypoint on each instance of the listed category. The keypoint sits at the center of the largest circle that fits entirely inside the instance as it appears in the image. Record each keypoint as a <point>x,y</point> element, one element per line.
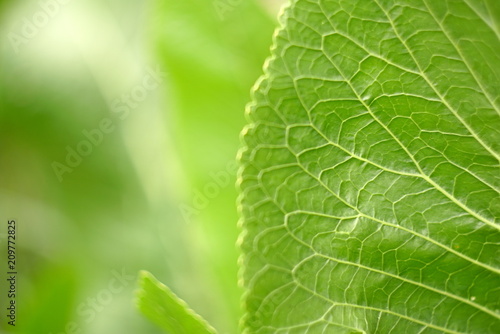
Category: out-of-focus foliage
<point>213,52</point>
<point>119,208</point>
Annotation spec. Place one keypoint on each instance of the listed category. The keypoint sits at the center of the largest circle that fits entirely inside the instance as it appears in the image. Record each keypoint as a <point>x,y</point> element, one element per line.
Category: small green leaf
<point>160,305</point>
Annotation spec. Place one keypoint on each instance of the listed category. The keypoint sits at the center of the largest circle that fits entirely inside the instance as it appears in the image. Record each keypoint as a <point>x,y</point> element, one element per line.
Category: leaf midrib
<point>464,59</point>
<point>429,83</point>
<point>417,165</point>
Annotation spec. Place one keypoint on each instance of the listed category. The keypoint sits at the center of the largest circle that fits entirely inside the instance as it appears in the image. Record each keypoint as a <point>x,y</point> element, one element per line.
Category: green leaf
<point>370,171</point>
<point>168,311</point>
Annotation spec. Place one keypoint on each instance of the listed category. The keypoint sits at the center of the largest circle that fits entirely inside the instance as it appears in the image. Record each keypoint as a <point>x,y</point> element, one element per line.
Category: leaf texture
<point>370,170</point>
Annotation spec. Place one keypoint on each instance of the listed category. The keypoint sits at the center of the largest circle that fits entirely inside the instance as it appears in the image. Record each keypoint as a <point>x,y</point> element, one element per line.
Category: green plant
<point>370,172</point>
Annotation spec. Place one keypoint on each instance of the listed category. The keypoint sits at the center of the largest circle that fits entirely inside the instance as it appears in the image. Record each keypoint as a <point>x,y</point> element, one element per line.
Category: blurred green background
<point>119,126</point>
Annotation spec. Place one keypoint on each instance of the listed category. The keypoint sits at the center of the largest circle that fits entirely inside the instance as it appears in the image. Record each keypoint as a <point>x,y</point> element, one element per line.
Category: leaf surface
<point>164,308</point>
<point>370,171</point>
